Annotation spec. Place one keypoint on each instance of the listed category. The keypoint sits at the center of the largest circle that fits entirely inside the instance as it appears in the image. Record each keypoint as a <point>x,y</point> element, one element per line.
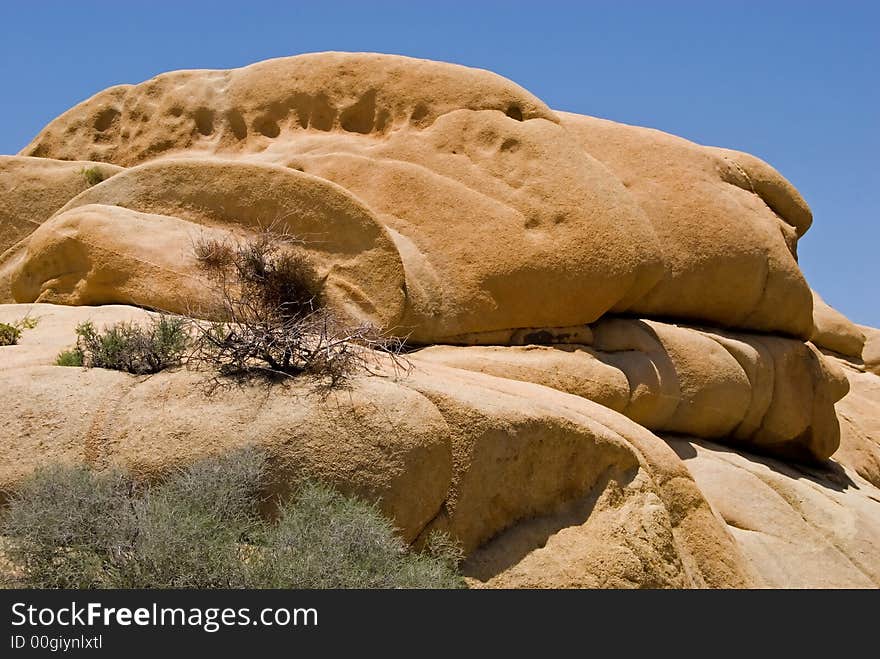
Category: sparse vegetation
<point>69,358</point>
<point>70,527</point>
<point>326,540</point>
<point>92,175</point>
<point>275,322</point>
<point>128,347</point>
<point>10,333</point>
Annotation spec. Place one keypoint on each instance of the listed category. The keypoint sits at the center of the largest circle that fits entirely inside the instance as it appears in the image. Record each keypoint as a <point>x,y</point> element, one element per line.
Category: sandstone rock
<point>443,448</point>
<point>244,109</point>
<point>31,190</point>
<point>859,414</point>
<point>131,239</point>
<point>834,331</point>
<point>379,439</point>
<point>504,214</point>
<point>871,350</point>
<point>773,394</point>
<point>796,528</point>
<point>541,257</point>
<point>738,269</point>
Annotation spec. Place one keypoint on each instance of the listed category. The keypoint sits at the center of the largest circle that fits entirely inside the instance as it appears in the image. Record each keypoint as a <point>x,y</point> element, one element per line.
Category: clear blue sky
<point>796,83</point>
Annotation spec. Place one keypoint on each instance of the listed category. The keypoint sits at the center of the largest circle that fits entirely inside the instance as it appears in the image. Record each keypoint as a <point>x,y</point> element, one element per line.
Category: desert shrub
<point>324,539</point>
<point>192,528</point>
<point>69,358</point>
<point>265,271</point>
<point>132,348</point>
<point>10,333</point>
<point>92,175</point>
<point>274,320</point>
<point>66,527</point>
<point>70,527</point>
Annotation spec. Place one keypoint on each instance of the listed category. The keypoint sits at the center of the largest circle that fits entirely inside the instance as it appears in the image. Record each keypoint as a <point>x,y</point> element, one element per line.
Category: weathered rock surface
<point>739,268</point>
<point>504,213</point>
<point>859,414</point>
<point>443,448</point>
<point>774,394</point>
<point>797,528</point>
<point>31,190</point>
<point>871,351</point>
<point>834,331</point>
<point>616,329</point>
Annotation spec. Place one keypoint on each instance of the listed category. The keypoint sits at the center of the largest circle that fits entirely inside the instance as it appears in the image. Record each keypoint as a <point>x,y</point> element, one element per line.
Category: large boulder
<point>615,331</point>
<point>131,239</point>
<point>442,448</point>
<point>772,394</point>
<point>834,331</point>
<point>31,190</point>
<point>727,225</point>
<point>503,213</point>
<point>859,415</point>
<point>796,528</point>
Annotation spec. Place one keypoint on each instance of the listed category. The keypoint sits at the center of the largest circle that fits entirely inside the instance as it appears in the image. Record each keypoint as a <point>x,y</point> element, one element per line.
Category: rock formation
<point>624,378</point>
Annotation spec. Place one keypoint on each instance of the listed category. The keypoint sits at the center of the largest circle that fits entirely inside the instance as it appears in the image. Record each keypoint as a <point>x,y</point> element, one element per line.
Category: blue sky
<point>796,83</point>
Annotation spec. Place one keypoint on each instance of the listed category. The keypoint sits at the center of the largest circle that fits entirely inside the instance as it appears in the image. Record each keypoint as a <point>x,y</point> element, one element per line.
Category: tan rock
<point>539,255</point>
<point>244,109</point>
<point>797,528</point>
<point>443,448</point>
<point>378,439</point>
<point>131,239</point>
<point>574,369</point>
<point>770,393</point>
<point>859,415</point>
<point>726,222</point>
<point>871,350</point>
<point>504,214</point>
<point>834,331</point>
<point>620,535</point>
<point>31,190</point>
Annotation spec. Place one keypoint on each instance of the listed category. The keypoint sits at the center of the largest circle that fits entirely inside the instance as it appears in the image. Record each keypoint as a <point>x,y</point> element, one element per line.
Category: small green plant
<point>10,333</point>
<point>129,347</point>
<point>71,527</point>
<point>92,175</point>
<point>69,358</point>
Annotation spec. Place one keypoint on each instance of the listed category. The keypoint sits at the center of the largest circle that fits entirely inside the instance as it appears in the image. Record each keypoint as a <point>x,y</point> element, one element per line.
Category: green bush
<point>70,527</point>
<point>69,358</point>
<point>93,175</point>
<point>324,539</point>
<point>129,347</point>
<point>9,334</point>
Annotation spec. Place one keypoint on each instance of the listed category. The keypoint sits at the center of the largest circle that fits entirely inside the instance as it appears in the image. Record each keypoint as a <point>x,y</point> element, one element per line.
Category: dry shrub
<point>71,527</point>
<point>274,319</point>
